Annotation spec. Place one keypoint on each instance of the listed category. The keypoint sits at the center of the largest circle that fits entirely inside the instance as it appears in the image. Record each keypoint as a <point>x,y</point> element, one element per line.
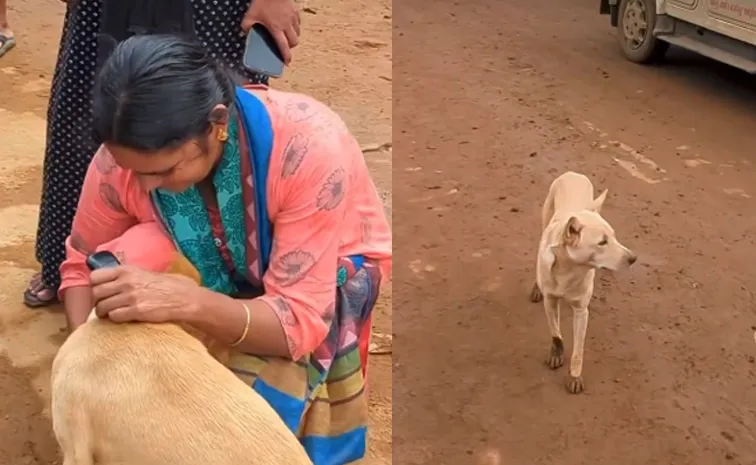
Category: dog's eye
<point>603,242</point>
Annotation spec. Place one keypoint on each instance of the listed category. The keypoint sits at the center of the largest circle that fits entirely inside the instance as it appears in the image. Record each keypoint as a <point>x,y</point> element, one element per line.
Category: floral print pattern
<point>186,216</point>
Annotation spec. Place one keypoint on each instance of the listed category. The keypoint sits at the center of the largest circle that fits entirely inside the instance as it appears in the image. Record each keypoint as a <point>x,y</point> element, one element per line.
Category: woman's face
<point>175,169</point>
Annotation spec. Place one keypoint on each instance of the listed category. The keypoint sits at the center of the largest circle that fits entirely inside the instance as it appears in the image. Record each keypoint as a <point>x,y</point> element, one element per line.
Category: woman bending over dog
<point>268,196</point>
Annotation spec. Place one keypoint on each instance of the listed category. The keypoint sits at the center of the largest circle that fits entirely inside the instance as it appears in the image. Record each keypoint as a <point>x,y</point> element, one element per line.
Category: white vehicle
<point>724,30</point>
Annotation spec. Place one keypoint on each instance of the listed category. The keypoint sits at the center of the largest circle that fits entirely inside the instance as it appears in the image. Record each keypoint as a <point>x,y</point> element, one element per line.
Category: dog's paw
<point>536,295</point>
<point>555,361</point>
<point>574,384</point>
<point>556,356</point>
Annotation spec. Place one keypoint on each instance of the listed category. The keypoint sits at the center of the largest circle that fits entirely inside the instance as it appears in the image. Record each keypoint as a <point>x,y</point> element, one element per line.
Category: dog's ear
<point>572,230</point>
<point>598,202</point>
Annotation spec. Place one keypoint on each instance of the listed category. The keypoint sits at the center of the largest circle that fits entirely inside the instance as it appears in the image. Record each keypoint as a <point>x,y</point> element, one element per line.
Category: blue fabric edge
<point>337,450</point>
<point>258,127</point>
<point>289,408</point>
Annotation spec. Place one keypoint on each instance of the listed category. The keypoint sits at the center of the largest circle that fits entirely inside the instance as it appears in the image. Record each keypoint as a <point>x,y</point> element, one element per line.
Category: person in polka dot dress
<point>219,25</point>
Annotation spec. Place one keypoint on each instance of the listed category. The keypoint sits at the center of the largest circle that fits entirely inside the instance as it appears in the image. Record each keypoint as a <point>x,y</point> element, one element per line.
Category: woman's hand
<point>281,18</point>
<point>127,293</point>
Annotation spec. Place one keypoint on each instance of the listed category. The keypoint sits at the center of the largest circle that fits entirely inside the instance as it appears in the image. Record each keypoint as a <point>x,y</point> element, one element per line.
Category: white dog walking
<point>576,240</point>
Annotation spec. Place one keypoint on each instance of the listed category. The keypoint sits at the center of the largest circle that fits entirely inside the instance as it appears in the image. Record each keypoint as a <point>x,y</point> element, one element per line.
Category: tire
<point>638,44</point>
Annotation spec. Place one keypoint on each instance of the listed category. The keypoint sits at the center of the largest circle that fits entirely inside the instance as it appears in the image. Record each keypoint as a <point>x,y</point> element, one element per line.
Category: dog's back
<point>152,395</point>
<point>570,192</point>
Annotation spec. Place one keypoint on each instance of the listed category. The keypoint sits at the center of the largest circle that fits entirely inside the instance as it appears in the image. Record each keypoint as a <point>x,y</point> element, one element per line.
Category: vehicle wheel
<point>637,19</point>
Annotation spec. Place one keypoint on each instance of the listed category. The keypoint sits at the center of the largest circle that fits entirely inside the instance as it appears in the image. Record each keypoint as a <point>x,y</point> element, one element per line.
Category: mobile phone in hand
<point>261,54</point>
<point>103,259</point>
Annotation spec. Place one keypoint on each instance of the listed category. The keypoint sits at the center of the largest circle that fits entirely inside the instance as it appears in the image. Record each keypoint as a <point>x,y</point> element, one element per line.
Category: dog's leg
<point>76,454</point>
<point>71,428</point>
<point>556,355</point>
<point>579,325</point>
<point>547,212</point>
<point>74,460</point>
<point>535,294</point>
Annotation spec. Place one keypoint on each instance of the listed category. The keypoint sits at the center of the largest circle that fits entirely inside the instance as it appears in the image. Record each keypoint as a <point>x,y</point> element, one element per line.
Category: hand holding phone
<point>261,54</point>
<point>282,20</point>
<point>161,297</point>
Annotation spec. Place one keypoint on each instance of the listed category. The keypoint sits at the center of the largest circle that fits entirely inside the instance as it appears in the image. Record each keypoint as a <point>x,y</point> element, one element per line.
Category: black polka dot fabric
<point>70,146</point>
<point>218,26</point>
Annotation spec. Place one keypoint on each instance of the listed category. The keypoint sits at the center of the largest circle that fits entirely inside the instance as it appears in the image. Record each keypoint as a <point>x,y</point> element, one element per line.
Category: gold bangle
<point>246,327</point>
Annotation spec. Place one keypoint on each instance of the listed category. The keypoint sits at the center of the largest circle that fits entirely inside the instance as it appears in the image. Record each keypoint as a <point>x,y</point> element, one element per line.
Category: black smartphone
<point>261,54</point>
<point>102,259</point>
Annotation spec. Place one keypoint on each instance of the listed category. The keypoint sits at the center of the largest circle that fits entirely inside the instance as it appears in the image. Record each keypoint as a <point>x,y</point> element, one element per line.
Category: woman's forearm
<point>78,305</point>
<point>225,319</point>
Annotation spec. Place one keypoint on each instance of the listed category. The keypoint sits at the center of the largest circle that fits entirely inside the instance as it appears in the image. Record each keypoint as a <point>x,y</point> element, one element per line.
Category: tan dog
<point>576,240</point>
<point>148,394</point>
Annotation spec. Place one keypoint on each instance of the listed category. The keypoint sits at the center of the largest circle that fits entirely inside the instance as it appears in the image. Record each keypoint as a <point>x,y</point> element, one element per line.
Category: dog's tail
<point>547,211</point>
<point>598,202</point>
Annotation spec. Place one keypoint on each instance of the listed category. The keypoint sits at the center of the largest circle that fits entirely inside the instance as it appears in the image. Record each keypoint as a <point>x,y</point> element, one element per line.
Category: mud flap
<point>611,8</point>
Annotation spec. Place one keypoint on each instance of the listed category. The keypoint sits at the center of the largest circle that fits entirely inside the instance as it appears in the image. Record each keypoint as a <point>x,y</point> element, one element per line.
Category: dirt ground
<point>493,100</point>
<point>344,60</point>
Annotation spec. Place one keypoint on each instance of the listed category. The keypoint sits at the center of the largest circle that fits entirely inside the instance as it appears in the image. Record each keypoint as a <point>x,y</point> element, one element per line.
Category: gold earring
<point>222,134</point>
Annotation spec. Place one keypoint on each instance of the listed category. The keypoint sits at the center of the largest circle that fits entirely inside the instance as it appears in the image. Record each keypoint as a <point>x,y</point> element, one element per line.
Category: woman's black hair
<point>156,92</point>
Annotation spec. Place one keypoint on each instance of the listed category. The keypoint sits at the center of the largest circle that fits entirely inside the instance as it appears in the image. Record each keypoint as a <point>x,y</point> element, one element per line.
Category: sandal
<point>6,43</point>
<point>37,295</point>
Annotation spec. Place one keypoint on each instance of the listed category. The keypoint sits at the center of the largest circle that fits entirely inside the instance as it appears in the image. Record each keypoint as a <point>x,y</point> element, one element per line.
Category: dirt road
<point>344,60</point>
<point>493,100</point>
